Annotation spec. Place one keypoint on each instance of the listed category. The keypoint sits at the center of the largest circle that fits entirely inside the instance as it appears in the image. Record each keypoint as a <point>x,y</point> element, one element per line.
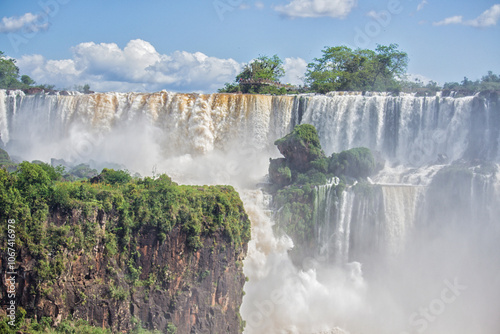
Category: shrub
<point>356,163</point>
<point>112,176</point>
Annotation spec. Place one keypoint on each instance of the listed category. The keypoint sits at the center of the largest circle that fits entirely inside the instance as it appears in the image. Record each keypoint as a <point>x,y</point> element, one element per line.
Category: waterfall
<point>405,129</point>
<point>377,220</point>
<point>382,251</point>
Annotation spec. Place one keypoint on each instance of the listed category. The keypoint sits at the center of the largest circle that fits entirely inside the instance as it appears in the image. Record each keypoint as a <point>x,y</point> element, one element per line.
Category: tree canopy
<point>9,72</point>
<point>256,76</point>
<point>342,68</point>
<point>263,68</point>
<point>9,76</point>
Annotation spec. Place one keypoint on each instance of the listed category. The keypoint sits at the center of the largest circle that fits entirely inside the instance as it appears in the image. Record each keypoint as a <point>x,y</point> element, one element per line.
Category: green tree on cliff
<point>9,75</point>
<point>342,68</point>
<point>254,76</point>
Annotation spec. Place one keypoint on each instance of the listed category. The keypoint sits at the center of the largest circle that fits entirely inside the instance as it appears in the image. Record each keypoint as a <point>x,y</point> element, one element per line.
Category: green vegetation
<point>261,76</point>
<point>6,162</point>
<point>33,191</point>
<point>67,326</point>
<point>55,218</point>
<point>112,176</point>
<point>303,168</point>
<point>344,69</point>
<point>9,76</point>
<point>488,83</point>
<point>306,163</point>
<point>356,163</point>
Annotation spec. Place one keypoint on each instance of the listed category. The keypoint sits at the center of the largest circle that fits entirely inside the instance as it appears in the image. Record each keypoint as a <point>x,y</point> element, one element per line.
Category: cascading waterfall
<point>332,219</point>
<point>387,214</point>
<point>405,129</point>
<point>424,221</point>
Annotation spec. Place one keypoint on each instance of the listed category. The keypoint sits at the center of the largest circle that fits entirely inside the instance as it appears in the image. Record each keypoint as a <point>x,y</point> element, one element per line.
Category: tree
<point>257,76</point>
<point>9,75</point>
<point>27,80</point>
<point>342,68</point>
<point>86,88</point>
<point>9,72</point>
<point>263,68</point>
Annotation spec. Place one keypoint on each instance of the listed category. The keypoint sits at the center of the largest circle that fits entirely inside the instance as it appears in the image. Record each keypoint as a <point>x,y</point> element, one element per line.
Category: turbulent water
<point>417,251</point>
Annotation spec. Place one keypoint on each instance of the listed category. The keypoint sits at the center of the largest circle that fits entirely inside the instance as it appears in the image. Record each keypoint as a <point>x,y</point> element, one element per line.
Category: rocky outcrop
<point>301,147</point>
<point>96,263</point>
<point>177,287</point>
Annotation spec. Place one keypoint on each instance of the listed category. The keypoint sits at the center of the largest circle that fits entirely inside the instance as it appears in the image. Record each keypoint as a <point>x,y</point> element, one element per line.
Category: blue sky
<point>197,45</point>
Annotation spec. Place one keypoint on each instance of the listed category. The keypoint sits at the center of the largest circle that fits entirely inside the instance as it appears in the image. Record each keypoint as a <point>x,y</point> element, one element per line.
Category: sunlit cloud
<point>28,22</point>
<point>488,18</point>
<point>317,8</point>
<point>136,67</point>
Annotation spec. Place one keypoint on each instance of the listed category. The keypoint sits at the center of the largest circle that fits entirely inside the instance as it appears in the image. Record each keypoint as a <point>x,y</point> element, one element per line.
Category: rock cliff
<point>99,256</point>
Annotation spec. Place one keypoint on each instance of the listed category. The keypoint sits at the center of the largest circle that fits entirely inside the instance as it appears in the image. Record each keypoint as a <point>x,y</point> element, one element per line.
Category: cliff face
<point>196,291</point>
<point>83,264</point>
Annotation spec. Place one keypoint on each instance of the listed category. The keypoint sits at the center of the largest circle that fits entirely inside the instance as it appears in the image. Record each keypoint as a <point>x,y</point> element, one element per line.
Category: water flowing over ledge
<point>421,223</point>
<point>405,129</point>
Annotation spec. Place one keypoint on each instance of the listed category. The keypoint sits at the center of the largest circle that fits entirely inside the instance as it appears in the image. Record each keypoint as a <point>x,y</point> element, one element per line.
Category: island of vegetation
<point>295,178</point>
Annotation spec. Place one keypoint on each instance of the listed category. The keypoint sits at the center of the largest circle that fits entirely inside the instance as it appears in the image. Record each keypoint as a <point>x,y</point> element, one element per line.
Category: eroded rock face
<point>197,291</point>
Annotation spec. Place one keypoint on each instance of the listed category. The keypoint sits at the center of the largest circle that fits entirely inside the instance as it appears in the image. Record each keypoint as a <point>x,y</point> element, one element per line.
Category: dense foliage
<point>304,167</point>
<point>31,193</point>
<point>301,148</point>
<point>356,163</point>
<point>342,68</point>
<point>35,193</point>
<point>258,77</point>
<point>489,82</point>
<point>10,77</point>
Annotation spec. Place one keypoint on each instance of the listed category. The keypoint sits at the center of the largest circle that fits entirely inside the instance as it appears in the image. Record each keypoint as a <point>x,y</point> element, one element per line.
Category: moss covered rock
<point>357,163</point>
<point>301,147</point>
<point>4,156</point>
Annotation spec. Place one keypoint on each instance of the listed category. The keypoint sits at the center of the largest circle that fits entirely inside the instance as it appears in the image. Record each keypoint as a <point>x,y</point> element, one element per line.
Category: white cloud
<point>488,18</point>
<point>449,20</point>
<point>422,5</point>
<point>28,22</point>
<point>136,67</point>
<point>295,69</point>
<point>317,8</point>
<point>259,5</point>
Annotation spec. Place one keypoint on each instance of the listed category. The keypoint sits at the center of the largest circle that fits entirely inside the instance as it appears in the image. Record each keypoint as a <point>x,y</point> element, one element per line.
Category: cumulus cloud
<point>317,8</point>
<point>295,69</point>
<point>28,22</point>
<point>488,18</point>
<point>136,67</point>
